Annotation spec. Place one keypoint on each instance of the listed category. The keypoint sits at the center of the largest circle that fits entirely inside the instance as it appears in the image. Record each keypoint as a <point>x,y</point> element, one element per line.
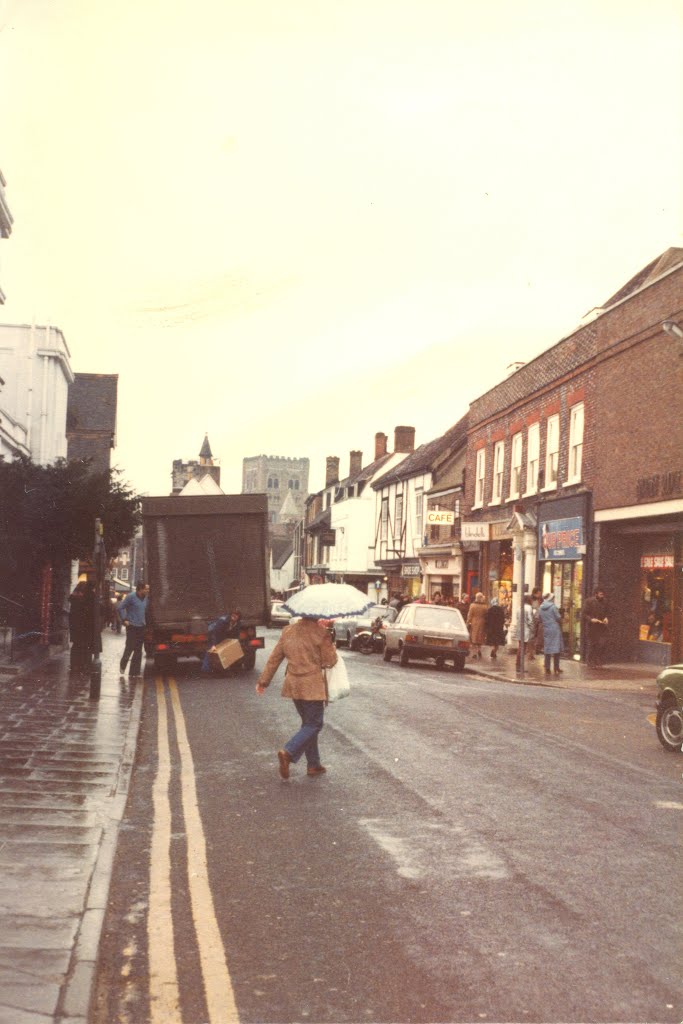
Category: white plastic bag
<point>337,679</point>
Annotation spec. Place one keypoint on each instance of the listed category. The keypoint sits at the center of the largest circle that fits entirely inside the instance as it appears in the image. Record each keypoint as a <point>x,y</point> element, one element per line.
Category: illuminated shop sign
<point>656,561</point>
<point>562,539</point>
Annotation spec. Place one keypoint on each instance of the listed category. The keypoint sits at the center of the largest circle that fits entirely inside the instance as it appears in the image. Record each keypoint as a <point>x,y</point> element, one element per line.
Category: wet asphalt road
<point>476,852</point>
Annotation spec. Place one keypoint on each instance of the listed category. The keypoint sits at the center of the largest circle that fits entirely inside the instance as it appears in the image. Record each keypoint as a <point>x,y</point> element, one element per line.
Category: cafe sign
<point>435,517</point>
<point>474,531</point>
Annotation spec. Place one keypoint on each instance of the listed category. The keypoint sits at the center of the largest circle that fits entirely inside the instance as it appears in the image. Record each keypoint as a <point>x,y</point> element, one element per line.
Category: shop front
<point>500,562</point>
<point>561,555</point>
<point>411,577</point>
<point>441,573</point>
<point>641,565</point>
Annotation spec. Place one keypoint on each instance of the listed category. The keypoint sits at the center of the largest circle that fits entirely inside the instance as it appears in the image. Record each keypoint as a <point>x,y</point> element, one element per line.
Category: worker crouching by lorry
<point>226,627</point>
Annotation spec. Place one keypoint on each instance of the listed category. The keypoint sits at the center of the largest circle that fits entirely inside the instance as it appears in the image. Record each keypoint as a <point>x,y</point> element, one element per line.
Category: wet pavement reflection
<point>60,765</point>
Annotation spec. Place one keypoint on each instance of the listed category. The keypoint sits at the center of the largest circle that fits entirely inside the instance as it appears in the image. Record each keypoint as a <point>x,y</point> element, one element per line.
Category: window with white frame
<point>516,466</point>
<point>575,443</point>
<point>384,529</point>
<point>418,515</point>
<point>552,452</point>
<point>398,519</point>
<point>533,448</point>
<point>498,470</point>
<point>480,478</point>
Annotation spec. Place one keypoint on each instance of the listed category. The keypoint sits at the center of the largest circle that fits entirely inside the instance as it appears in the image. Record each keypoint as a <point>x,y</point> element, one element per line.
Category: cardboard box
<point>225,654</point>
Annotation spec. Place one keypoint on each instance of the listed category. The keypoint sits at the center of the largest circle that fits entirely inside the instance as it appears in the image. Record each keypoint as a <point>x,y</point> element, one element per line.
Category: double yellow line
<point>163,976</point>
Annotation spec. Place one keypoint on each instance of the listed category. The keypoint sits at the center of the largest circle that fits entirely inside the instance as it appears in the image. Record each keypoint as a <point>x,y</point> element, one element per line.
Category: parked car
<point>279,616</point>
<point>345,626</point>
<point>428,631</point>
<point>670,707</point>
<point>364,624</point>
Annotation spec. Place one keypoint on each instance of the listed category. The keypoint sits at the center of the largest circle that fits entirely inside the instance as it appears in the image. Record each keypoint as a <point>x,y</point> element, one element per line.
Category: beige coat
<point>308,648</point>
<point>476,620</point>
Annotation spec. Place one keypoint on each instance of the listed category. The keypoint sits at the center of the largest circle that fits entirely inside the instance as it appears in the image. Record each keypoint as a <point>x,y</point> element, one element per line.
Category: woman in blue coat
<point>552,633</point>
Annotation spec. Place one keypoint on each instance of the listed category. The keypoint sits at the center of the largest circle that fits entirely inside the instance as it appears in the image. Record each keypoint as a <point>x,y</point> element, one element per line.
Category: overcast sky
<point>293,224</point>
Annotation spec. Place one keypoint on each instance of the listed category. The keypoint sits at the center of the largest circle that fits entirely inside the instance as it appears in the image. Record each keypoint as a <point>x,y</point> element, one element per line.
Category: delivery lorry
<point>204,555</point>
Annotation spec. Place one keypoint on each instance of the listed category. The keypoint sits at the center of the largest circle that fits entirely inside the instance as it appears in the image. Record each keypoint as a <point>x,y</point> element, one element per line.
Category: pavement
<point>66,761</point>
<point>65,765</point>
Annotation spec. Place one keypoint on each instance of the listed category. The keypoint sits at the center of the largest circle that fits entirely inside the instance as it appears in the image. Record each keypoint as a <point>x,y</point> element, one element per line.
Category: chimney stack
<point>380,445</point>
<point>331,470</point>
<point>355,463</point>
<point>404,439</point>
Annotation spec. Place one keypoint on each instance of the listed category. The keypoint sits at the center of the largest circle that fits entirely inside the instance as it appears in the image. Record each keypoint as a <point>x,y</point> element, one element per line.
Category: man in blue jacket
<point>132,612</point>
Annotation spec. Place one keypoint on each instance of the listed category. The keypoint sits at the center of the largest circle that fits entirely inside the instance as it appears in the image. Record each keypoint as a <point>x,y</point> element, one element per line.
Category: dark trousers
<point>556,662</point>
<point>597,642</point>
<point>135,636</point>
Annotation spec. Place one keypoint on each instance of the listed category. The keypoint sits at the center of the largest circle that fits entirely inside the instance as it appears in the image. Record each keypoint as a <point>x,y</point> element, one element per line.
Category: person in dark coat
<point>495,626</point>
<point>596,619</point>
<point>552,633</point>
<point>82,625</point>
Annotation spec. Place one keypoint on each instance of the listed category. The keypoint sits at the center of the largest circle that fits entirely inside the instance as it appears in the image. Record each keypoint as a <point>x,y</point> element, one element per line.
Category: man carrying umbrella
<point>309,650</point>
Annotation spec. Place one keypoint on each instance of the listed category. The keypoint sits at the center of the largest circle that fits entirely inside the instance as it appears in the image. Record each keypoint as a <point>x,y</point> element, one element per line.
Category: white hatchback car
<point>428,631</point>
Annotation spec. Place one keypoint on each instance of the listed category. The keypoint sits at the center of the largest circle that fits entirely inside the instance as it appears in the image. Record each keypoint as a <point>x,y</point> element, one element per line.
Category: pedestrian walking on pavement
<point>476,622</point>
<point>552,633</point>
<point>596,618</point>
<point>309,649</point>
<point>133,613</point>
<point>495,626</point>
<point>82,624</point>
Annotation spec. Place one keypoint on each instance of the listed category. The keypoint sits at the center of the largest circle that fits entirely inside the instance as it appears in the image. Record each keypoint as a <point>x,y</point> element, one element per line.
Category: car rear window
<point>439,618</point>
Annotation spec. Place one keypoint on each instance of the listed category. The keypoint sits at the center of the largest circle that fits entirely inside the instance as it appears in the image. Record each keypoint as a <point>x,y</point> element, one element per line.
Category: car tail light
<point>162,647</point>
<point>411,638</point>
<point>463,645</point>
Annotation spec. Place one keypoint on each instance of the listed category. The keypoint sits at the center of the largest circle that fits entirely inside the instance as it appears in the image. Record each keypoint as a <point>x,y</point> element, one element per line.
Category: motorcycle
<point>371,641</point>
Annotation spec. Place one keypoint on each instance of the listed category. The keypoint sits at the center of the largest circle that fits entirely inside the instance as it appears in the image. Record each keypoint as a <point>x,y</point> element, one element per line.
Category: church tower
<point>206,466</point>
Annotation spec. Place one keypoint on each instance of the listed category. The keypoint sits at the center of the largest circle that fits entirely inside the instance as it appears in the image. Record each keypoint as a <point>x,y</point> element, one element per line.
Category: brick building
<point>574,470</point>
<point>91,419</point>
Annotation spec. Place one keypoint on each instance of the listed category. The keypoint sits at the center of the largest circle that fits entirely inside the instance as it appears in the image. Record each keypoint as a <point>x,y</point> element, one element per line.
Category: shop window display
<point>656,589</point>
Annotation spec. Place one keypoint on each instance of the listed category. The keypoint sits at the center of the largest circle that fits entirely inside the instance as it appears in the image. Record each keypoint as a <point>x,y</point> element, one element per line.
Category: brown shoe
<point>285,761</point>
<point>317,769</point>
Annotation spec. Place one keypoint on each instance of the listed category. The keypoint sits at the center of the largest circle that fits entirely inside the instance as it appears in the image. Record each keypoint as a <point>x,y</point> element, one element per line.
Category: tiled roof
<point>282,549</point>
<point>422,459</point>
<point>367,473</point>
<point>669,259</point>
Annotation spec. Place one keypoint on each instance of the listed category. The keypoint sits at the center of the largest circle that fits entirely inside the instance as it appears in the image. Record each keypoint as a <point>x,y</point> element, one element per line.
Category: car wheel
<point>670,726</point>
<point>459,663</point>
<point>441,664</point>
<point>387,654</point>
<point>403,658</point>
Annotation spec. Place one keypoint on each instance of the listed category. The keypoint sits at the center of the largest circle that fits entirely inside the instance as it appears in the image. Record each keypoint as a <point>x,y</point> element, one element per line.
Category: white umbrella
<point>328,601</point>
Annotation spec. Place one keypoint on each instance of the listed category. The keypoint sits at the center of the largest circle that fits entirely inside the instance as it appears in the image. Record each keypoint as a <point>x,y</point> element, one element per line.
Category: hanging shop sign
<point>435,517</point>
<point>474,531</point>
<point>561,539</point>
<point>410,570</point>
<point>328,538</point>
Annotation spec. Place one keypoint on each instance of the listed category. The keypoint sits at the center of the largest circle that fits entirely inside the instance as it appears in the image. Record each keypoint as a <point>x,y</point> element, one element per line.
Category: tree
<point>47,517</point>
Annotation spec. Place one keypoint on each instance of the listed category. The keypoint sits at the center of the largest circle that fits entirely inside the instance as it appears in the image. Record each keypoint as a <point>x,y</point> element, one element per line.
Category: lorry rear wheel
<point>248,661</point>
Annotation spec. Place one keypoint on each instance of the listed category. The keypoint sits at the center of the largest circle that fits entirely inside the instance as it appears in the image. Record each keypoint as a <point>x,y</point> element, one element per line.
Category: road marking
<point>163,978</point>
<point>668,805</point>
<point>652,719</point>
<point>220,997</point>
